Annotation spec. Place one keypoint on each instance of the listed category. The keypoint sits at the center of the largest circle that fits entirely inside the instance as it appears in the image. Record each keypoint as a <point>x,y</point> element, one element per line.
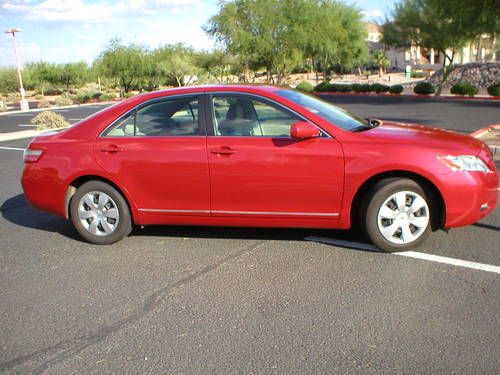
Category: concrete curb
<point>433,97</point>
<point>25,134</point>
<point>54,108</point>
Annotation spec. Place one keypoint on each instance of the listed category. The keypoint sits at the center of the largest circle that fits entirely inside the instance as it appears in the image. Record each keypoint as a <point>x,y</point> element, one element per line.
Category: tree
<point>73,74</point>
<point>335,35</point>
<point>445,25</point>
<point>123,64</point>
<point>278,34</point>
<point>259,33</point>
<point>217,64</point>
<point>380,59</point>
<point>8,80</point>
<point>43,74</point>
<point>176,62</point>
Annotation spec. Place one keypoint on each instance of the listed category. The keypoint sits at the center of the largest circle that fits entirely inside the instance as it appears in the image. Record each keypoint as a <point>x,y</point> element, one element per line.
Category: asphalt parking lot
<point>22,120</point>
<point>237,300</point>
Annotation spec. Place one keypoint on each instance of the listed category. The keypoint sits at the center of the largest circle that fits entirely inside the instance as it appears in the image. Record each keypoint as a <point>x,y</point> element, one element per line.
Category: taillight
<point>32,156</point>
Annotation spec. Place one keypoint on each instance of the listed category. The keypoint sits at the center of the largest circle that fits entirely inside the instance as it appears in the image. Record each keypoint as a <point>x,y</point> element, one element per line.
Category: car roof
<point>210,88</point>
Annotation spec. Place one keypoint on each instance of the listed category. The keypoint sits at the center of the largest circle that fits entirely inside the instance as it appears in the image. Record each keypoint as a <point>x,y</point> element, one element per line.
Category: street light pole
<point>24,103</point>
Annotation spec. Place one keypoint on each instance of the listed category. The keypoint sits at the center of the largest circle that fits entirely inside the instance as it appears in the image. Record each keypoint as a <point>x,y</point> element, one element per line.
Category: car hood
<point>419,135</point>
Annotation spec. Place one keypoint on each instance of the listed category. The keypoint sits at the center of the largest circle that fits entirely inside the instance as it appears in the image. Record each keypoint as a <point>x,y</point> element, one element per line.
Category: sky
<point>75,30</point>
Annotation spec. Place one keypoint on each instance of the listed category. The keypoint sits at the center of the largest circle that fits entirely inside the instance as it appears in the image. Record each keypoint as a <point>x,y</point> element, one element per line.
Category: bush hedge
<point>396,89</point>
<point>464,88</point>
<point>494,89</point>
<point>305,87</point>
<point>339,87</point>
<point>323,87</point>
<point>49,120</point>
<point>364,87</point>
<point>424,88</point>
<point>378,88</point>
<point>355,87</point>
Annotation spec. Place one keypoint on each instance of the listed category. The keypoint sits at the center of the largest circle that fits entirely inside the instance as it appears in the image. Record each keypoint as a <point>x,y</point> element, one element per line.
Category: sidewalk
<point>56,108</point>
<point>491,136</point>
<point>25,134</point>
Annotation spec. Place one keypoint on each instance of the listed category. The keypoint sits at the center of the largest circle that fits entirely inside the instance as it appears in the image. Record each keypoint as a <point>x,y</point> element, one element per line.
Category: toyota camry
<point>257,156</point>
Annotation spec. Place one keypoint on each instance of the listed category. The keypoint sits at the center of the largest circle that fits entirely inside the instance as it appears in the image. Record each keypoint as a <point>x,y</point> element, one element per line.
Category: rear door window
<point>173,117</point>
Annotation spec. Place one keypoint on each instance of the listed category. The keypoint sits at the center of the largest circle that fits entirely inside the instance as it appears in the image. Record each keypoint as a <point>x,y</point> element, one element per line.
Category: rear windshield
<point>335,115</point>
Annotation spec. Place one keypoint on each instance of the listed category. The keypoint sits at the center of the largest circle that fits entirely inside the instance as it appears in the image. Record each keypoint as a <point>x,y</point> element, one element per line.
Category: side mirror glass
<point>304,130</point>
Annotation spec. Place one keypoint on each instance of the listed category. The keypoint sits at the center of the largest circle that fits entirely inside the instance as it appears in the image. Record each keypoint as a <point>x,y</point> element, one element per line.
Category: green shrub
<point>63,101</point>
<point>355,87</point>
<point>364,87</point>
<point>107,97</point>
<point>305,87</point>
<point>494,89</point>
<point>418,75</point>
<point>396,89</point>
<point>341,87</point>
<point>378,88</point>
<point>96,95</point>
<point>424,88</point>
<point>128,95</point>
<point>323,87</point>
<point>464,88</point>
<point>44,103</point>
<point>82,97</point>
<point>49,120</point>
<point>52,91</point>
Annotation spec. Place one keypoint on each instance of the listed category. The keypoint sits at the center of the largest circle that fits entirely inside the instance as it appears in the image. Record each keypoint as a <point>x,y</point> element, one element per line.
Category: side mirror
<point>303,130</point>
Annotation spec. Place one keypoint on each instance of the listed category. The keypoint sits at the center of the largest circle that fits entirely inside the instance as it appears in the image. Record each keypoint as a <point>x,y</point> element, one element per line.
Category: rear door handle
<point>111,149</point>
<point>224,150</point>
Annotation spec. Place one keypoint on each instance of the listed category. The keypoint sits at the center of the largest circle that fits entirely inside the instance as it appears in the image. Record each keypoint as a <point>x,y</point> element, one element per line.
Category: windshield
<point>335,115</point>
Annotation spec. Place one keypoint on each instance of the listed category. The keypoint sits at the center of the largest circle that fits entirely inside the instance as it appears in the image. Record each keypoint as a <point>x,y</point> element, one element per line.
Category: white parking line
<point>26,125</point>
<point>11,148</point>
<point>452,261</point>
<point>75,119</point>
<point>409,254</point>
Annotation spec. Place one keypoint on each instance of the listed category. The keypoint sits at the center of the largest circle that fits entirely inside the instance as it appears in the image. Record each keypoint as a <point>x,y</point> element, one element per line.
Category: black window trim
<point>210,123</point>
<point>202,104</point>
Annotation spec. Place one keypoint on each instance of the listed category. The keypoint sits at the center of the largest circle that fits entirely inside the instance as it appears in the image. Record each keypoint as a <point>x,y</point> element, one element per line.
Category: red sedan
<point>257,156</point>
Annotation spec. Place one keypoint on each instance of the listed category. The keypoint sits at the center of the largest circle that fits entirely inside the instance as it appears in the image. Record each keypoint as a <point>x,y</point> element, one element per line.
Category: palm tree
<point>380,59</point>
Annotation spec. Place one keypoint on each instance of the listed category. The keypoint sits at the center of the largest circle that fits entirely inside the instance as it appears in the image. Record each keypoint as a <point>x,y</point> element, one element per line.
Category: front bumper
<point>469,196</point>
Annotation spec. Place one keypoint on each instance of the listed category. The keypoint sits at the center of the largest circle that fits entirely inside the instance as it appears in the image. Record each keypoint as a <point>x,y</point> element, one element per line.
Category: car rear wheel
<point>397,215</point>
<point>99,213</point>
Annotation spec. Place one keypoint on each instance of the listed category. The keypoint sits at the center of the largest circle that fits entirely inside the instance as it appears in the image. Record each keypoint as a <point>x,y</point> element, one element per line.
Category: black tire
<point>373,202</point>
<point>123,225</point>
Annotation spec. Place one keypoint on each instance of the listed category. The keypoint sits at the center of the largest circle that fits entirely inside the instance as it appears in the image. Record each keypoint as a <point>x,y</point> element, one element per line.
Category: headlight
<point>465,163</point>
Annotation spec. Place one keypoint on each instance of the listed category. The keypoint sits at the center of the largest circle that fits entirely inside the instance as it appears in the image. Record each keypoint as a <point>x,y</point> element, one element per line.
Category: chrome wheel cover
<point>98,213</point>
<point>403,217</point>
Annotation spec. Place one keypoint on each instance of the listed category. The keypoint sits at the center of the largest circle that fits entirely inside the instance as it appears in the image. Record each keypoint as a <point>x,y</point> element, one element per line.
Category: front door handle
<point>223,150</point>
<point>111,149</point>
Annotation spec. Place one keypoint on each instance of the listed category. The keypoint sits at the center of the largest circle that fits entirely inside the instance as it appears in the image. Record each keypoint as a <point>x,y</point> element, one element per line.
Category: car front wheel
<point>99,213</point>
<point>397,216</point>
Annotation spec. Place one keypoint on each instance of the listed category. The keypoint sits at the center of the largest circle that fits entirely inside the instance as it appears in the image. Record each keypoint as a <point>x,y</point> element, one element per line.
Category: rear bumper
<point>43,188</point>
<point>469,196</point>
